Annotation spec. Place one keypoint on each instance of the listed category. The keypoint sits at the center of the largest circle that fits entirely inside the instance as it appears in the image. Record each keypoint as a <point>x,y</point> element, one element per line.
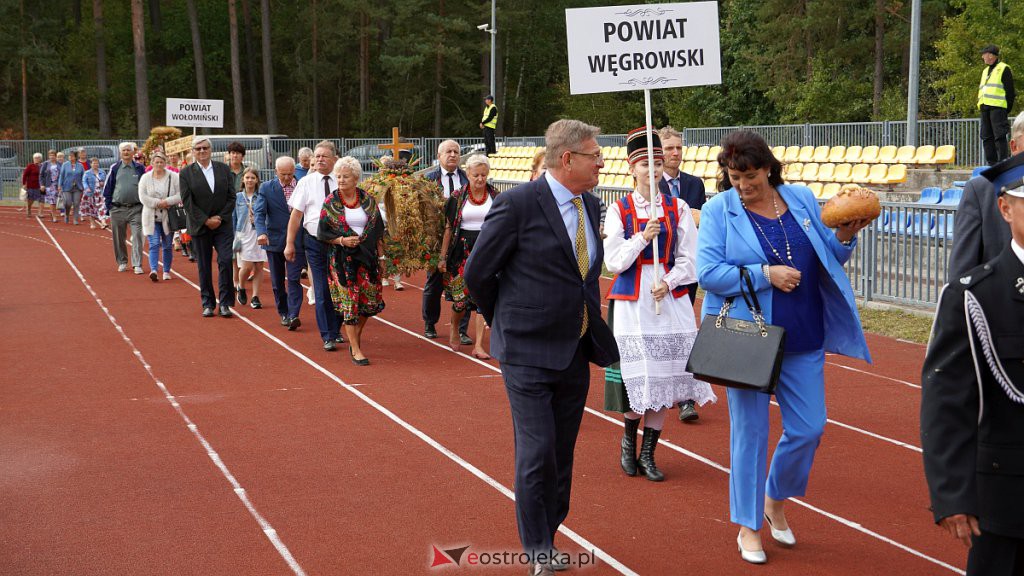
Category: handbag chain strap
<point>750,298</point>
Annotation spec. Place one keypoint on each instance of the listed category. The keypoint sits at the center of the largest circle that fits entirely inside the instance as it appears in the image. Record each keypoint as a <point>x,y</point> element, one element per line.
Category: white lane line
<point>713,464</point>
<point>572,535</point>
<point>852,369</point>
<point>268,529</point>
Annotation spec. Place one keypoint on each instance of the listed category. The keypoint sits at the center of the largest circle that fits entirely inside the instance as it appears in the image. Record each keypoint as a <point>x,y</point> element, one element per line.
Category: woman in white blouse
<point>158,190</point>
<point>651,376</point>
<point>464,213</point>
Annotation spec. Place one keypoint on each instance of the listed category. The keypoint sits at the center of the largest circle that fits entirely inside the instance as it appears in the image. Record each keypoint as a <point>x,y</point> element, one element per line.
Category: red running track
<point>137,437</point>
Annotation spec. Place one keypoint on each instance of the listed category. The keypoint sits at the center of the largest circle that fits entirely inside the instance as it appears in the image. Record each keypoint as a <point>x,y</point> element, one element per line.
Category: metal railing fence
<point>901,259</point>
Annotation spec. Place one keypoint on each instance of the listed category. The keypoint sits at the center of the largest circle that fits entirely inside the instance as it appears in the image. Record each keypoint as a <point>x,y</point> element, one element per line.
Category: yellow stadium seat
<point>905,155</point>
<point>826,172</point>
<point>691,154</point>
<point>816,187</point>
<point>836,154</point>
<point>829,190</point>
<point>806,154</point>
<point>623,167</point>
<point>945,155</point>
<point>860,173</point>
<point>713,153</point>
<point>924,155</point>
<point>710,185</point>
<point>711,170</point>
<point>698,169</point>
<point>869,155</point>
<point>779,152</point>
<point>878,174</point>
<point>621,151</point>
<point>702,153</point>
<point>792,154</point>
<point>887,154</point>
<point>688,166</point>
<point>602,179</point>
<point>810,172</point>
<point>821,154</point>
<point>842,173</point>
<point>792,171</point>
<point>852,155</point>
<point>897,173</point>
<point>682,151</point>
<point>606,152</point>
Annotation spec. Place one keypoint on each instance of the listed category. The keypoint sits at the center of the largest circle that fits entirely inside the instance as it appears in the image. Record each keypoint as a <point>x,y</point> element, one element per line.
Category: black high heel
<point>363,362</point>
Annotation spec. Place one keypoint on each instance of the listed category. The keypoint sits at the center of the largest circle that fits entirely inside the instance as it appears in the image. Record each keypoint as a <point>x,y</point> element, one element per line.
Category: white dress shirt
<point>454,180</point>
<point>1018,250</point>
<point>308,198</point>
<point>208,174</point>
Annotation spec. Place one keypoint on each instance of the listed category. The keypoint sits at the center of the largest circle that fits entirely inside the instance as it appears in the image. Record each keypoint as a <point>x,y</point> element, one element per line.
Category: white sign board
<point>619,48</point>
<point>195,113</point>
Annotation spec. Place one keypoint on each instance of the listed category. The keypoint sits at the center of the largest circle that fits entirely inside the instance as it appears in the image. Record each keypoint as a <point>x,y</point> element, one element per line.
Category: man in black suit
<point>979,232</point>
<point>209,202</point>
<point>449,178</point>
<point>690,189</point>
<point>972,406</point>
<point>534,276</point>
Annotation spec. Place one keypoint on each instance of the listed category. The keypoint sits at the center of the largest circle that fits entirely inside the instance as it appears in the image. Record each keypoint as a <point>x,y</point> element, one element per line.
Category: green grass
<point>896,324</point>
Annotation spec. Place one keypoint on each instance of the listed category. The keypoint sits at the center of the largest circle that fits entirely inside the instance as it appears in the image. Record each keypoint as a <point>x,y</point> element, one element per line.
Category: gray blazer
<point>979,231</point>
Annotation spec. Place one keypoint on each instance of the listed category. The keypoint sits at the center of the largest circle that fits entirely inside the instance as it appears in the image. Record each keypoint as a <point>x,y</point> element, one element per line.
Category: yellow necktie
<point>582,256</point>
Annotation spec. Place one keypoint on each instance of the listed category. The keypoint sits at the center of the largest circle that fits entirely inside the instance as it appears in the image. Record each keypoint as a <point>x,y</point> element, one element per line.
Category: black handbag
<point>176,218</point>
<point>737,353</point>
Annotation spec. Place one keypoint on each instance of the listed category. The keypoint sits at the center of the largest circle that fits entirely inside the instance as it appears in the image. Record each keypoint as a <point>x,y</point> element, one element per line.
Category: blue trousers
<point>282,272</point>
<point>801,397</point>
<point>326,316</point>
<point>157,241</point>
<point>547,407</point>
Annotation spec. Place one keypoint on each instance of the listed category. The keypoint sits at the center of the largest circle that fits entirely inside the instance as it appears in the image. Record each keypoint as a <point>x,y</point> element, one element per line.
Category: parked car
<point>8,156</point>
<point>367,154</point>
<point>260,150</point>
<point>107,154</point>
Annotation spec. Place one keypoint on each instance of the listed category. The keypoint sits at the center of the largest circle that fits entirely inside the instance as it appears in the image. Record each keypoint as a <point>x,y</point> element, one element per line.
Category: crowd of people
<point>526,264</point>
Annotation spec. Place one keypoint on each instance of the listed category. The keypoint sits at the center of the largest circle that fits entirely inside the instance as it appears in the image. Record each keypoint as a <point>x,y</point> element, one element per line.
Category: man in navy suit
<point>272,214</point>
<point>449,178</point>
<point>534,276</point>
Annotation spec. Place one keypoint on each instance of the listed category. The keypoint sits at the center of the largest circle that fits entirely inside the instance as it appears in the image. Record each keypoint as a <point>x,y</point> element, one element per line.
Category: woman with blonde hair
<point>158,190</point>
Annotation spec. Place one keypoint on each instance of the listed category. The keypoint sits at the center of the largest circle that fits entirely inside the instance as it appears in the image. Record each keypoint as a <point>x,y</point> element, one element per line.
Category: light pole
<point>493,31</point>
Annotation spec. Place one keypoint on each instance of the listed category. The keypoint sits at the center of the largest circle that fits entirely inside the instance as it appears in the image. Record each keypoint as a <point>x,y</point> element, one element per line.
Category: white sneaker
<point>167,275</point>
<point>310,296</point>
<point>122,267</point>
<point>398,286</point>
<point>138,270</point>
<point>384,282</point>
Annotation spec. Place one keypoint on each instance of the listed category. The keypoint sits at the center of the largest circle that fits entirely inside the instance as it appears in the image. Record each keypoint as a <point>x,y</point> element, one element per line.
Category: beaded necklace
<point>778,215</point>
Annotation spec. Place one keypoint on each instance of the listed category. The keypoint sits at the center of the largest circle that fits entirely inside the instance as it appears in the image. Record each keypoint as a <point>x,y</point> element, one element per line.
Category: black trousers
<point>491,148</point>
<point>432,292</point>
<point>547,407</point>
<point>995,125</point>
<point>203,246</point>
<point>995,555</point>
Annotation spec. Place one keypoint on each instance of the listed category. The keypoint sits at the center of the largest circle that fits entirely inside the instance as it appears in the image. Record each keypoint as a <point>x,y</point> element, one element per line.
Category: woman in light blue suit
<point>775,231</point>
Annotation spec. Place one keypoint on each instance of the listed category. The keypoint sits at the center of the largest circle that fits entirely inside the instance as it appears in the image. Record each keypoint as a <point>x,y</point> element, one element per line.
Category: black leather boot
<point>645,464</point>
<point>628,459</point>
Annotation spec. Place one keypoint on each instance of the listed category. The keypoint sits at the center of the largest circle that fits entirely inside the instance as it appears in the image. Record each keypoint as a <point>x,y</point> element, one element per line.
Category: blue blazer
<point>435,175</point>
<point>728,240</point>
<point>71,175</point>
<point>691,190</point>
<point>523,276</point>
<point>272,213</point>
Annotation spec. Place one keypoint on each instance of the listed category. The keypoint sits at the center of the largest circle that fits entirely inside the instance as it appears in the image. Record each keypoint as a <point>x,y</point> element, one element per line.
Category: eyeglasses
<point>596,156</point>
<point>201,148</point>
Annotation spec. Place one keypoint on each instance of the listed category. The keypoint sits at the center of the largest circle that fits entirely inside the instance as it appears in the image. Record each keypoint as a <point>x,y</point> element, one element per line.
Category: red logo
<point>450,556</point>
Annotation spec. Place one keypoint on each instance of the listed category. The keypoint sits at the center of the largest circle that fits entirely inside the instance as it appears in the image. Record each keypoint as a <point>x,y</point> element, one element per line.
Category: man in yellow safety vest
<point>488,123</point>
<point>995,100</point>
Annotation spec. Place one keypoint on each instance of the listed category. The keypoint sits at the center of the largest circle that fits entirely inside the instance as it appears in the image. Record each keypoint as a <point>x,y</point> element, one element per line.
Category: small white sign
<point>195,113</point>
<point>619,48</point>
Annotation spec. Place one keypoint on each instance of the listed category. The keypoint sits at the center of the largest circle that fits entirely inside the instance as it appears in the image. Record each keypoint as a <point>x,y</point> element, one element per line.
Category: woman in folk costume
<point>351,223</point>
<point>651,377</point>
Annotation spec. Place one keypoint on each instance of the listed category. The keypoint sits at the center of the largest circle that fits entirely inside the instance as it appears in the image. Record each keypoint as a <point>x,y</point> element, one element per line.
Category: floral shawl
<point>346,262</point>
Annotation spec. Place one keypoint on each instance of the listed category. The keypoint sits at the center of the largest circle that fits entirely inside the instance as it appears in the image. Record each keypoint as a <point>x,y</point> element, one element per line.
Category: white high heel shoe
<point>752,556</point>
<point>783,537</point>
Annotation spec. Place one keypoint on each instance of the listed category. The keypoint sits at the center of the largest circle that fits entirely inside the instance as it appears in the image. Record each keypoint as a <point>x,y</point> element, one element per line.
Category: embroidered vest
<point>626,286</point>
